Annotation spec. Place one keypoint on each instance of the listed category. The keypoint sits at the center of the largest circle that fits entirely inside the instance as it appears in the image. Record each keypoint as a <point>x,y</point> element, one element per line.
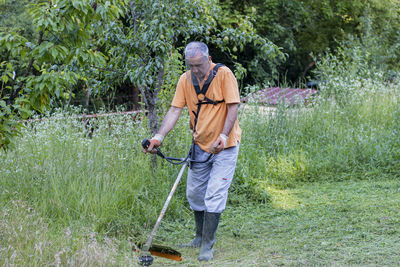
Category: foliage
<point>14,17</point>
<point>32,73</point>
<point>360,63</point>
<point>173,66</point>
<point>140,49</point>
<point>144,48</point>
<point>257,58</point>
<point>306,28</point>
<point>140,46</point>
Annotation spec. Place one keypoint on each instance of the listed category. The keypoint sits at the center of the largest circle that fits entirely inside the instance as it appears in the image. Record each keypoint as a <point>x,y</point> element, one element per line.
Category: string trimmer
<point>148,249</point>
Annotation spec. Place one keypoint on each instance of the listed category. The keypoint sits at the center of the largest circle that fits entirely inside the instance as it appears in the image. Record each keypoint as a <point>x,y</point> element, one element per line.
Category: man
<point>213,119</point>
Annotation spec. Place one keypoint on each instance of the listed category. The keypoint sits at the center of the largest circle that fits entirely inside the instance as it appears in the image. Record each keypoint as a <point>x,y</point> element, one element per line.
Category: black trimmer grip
<point>145,143</point>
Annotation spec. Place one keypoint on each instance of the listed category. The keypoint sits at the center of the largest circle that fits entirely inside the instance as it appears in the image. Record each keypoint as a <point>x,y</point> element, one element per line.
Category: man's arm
<point>170,120</point>
<point>230,118</point>
<point>168,123</point>
<point>220,143</point>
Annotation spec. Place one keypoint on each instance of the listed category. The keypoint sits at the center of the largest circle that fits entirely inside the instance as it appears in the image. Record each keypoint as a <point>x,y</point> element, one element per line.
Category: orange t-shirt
<point>212,117</point>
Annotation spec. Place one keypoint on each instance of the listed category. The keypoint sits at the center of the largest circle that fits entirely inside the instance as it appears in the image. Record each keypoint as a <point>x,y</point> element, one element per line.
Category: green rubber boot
<point>196,242</point>
<point>210,226</point>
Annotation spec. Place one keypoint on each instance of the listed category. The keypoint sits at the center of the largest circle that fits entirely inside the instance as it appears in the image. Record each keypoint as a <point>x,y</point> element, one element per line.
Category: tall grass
<point>103,180</point>
<point>327,141</point>
<point>26,239</point>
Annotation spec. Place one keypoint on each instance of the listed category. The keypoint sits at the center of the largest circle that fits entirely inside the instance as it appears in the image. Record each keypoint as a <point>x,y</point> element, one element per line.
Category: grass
<point>348,223</point>
<point>105,181</point>
<point>327,141</point>
<point>27,239</point>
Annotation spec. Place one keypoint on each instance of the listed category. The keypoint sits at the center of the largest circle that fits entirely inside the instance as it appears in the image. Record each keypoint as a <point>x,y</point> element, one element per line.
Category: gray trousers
<point>208,183</point>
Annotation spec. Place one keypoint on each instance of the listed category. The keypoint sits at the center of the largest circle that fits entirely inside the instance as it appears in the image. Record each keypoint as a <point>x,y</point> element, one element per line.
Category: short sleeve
<point>179,100</point>
<point>230,88</point>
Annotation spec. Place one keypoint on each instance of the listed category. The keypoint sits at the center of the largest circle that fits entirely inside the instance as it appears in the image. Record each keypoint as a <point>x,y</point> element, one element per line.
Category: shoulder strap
<point>207,83</point>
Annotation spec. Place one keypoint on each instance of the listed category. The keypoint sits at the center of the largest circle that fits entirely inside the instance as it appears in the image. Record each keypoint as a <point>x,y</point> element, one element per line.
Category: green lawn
<point>351,223</point>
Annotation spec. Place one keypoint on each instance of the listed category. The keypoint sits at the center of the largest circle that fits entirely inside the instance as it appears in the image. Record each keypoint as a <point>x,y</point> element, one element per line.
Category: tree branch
<point>133,14</point>
<point>15,92</point>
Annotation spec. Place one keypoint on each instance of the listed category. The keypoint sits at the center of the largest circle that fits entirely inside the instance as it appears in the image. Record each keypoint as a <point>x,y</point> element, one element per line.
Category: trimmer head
<point>146,258</point>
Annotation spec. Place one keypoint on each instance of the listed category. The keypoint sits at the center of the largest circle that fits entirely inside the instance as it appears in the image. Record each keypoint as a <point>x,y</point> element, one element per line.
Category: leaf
<point>7,109</point>
<point>54,53</point>
<point>4,78</point>
<point>3,103</point>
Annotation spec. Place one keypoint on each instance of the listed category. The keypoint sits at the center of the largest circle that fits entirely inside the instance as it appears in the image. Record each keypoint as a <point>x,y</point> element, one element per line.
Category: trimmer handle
<point>146,144</point>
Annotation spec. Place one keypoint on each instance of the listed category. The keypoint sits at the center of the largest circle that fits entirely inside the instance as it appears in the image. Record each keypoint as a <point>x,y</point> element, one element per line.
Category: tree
<point>31,73</point>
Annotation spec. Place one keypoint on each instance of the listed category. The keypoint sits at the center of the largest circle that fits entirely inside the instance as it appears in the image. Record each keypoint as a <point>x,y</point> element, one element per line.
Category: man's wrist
<point>159,138</point>
<point>224,138</point>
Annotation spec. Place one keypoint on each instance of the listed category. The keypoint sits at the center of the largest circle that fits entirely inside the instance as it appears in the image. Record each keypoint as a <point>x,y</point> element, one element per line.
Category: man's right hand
<point>154,143</point>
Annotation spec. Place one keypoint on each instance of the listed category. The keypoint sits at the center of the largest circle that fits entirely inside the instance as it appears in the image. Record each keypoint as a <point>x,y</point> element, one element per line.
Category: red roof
<point>276,95</point>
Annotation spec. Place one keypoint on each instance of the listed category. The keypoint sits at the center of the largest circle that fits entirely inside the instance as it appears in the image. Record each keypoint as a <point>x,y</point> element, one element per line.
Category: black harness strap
<point>203,92</point>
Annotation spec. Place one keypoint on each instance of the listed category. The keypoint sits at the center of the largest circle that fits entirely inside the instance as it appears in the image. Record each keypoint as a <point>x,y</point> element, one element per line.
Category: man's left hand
<point>219,144</point>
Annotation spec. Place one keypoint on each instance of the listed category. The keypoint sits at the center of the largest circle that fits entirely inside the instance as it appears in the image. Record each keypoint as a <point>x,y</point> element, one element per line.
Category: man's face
<point>199,66</point>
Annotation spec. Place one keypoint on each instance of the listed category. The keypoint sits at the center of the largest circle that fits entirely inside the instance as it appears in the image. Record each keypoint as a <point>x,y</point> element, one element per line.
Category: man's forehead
<point>196,60</point>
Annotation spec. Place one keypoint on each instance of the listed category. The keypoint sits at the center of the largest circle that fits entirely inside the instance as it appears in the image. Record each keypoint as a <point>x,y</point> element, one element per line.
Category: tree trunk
<point>87,97</point>
<point>150,100</point>
<point>135,96</point>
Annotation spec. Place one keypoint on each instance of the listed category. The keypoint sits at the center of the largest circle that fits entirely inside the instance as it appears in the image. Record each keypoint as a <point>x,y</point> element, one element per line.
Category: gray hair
<point>195,49</point>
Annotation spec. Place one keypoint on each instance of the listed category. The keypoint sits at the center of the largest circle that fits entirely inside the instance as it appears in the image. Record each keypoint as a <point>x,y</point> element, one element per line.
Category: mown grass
<point>314,186</point>
<point>345,223</point>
